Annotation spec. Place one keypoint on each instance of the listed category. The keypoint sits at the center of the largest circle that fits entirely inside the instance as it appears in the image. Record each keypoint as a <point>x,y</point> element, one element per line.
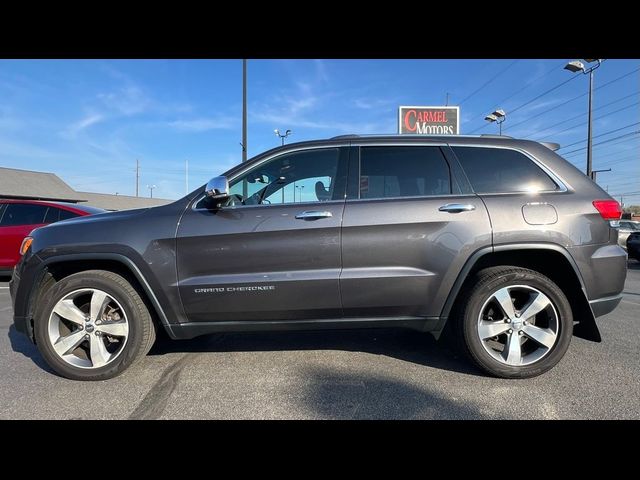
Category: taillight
<point>608,209</point>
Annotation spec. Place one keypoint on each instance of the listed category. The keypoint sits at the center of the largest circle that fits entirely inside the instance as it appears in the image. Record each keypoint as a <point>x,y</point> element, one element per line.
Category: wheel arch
<point>56,268</point>
<point>551,260</point>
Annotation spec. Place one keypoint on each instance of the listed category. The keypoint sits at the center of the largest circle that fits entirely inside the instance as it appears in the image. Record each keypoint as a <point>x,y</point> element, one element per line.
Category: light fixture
<point>575,66</point>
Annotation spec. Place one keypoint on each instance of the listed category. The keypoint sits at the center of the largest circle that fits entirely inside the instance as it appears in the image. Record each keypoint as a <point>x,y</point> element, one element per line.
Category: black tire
<point>141,335</point>
<point>483,286</point>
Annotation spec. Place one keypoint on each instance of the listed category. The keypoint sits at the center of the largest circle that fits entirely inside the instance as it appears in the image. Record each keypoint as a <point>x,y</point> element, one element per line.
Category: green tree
<point>633,209</point>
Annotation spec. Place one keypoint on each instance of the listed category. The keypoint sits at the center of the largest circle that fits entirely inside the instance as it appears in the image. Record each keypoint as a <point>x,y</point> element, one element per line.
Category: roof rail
<point>491,135</point>
<point>551,145</point>
<point>350,135</point>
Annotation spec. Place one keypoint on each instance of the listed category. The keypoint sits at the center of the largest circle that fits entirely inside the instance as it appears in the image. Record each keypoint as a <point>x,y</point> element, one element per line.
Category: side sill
<point>194,329</point>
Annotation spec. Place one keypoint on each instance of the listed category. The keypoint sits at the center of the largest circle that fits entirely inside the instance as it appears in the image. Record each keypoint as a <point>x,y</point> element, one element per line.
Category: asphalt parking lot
<point>366,374</point>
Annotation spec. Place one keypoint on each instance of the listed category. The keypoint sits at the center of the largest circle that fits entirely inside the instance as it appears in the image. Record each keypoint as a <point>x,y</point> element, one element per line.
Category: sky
<point>88,121</point>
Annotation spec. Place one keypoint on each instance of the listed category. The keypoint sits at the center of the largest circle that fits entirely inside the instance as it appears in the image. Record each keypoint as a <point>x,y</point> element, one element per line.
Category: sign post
<point>429,120</point>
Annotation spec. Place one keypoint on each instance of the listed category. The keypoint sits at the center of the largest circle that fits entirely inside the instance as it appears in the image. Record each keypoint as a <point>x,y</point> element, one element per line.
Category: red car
<point>19,217</point>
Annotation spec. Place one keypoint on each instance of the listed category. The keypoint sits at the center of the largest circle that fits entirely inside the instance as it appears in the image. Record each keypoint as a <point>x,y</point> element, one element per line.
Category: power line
<point>560,104</point>
<point>584,123</point>
<point>585,113</point>
<point>618,185</point>
<point>617,142</point>
<point>606,141</point>
<point>618,161</point>
<point>612,153</point>
<point>601,134</point>
<point>551,70</point>
<point>487,82</point>
<point>511,111</point>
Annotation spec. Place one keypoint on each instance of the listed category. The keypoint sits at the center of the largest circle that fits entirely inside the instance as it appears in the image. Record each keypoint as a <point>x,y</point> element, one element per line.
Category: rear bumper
<point>602,306</point>
<point>603,269</point>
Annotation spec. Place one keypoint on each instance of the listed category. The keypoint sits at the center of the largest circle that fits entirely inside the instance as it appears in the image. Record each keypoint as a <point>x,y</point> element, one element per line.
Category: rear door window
<point>403,171</point>
<point>23,214</point>
<point>502,170</point>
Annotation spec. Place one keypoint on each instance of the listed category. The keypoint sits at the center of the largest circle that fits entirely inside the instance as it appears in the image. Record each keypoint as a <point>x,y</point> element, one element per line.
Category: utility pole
<point>594,173</point>
<point>244,110</point>
<point>137,175</point>
<point>186,177</point>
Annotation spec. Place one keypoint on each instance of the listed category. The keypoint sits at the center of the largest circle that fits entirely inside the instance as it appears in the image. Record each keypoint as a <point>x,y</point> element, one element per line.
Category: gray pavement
<point>366,374</point>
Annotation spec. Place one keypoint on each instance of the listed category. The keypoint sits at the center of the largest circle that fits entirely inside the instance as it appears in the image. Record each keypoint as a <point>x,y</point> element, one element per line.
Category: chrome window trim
<point>266,159</point>
<point>414,197</point>
<point>562,185</point>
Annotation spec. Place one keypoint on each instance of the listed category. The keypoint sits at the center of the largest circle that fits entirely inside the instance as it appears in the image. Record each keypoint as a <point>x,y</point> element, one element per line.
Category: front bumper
<point>19,300</point>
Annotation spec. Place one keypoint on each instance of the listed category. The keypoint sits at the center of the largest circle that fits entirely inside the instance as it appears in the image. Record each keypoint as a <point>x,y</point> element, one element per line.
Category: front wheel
<point>92,326</point>
<point>516,323</point>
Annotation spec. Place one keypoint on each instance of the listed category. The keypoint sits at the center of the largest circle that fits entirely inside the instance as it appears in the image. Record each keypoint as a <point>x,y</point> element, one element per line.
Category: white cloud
<point>128,100</point>
<point>203,124</point>
<point>371,103</point>
<point>321,70</point>
<point>86,122</point>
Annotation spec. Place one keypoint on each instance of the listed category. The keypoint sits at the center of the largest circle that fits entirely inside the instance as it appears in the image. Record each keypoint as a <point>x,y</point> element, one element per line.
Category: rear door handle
<point>456,207</point>
<point>313,215</point>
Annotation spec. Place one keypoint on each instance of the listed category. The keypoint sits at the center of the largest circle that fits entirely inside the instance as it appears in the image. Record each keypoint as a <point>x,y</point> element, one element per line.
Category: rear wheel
<point>517,323</point>
<point>93,325</point>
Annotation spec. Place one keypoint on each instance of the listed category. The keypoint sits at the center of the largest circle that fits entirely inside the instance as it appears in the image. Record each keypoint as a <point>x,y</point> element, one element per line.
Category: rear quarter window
<point>65,214</point>
<point>502,170</point>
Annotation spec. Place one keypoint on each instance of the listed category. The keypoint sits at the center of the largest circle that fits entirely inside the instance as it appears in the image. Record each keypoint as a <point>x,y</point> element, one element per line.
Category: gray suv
<point>500,243</point>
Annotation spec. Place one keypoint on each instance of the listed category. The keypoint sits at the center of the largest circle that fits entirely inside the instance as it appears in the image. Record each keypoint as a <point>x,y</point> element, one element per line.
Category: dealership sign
<point>429,120</point>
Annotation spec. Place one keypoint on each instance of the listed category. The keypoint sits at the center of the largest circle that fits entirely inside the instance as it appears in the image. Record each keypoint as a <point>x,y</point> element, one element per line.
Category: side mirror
<point>217,188</point>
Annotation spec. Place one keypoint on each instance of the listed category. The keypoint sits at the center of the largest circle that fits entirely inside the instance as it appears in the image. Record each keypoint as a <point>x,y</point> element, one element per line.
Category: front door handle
<point>313,215</point>
<point>456,207</point>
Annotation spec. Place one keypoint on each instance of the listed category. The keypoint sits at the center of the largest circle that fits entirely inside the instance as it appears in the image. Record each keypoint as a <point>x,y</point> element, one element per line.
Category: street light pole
<point>244,110</point>
<point>282,137</point>
<point>151,187</point>
<point>590,172</point>
<point>498,116</point>
<point>575,67</point>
